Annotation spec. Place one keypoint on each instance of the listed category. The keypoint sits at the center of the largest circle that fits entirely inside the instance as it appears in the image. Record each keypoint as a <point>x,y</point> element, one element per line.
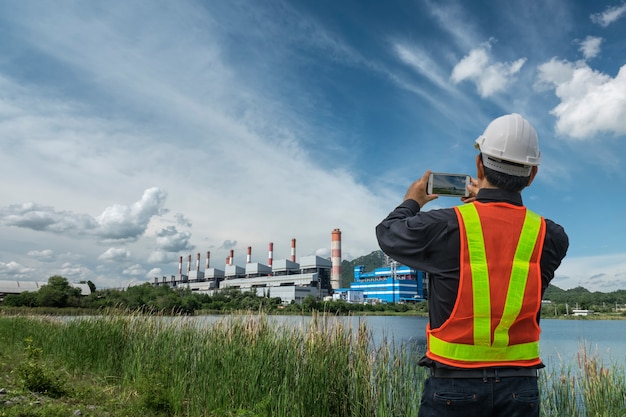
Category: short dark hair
<point>505,181</point>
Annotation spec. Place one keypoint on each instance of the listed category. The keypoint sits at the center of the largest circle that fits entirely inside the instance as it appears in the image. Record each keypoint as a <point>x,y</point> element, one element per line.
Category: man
<point>489,263</point>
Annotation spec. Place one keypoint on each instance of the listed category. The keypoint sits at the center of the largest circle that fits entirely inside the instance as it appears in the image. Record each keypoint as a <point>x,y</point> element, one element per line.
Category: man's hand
<point>417,191</point>
<point>472,187</point>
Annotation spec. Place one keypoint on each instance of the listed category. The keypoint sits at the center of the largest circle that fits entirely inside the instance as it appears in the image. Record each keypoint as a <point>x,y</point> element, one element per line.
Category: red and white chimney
<point>232,256</point>
<point>249,256</point>
<point>180,266</point>
<point>270,255</point>
<point>188,264</point>
<point>208,256</point>
<point>335,259</point>
<point>198,262</point>
<point>293,250</point>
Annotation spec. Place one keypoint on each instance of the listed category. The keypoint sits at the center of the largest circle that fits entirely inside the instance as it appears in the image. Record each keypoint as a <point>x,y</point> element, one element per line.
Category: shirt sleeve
<point>554,250</point>
<point>409,236</point>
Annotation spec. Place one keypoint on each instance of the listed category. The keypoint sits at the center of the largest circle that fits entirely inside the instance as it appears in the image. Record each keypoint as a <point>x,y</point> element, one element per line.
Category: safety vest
<point>494,319</point>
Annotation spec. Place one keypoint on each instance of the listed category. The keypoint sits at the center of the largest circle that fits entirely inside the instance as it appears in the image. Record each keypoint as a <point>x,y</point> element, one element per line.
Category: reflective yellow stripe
<point>483,349</point>
<point>519,277</point>
<point>472,353</point>
<point>480,275</point>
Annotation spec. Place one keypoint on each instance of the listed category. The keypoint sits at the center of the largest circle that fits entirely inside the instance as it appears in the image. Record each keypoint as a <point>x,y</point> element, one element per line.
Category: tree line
<point>162,299</point>
<point>58,293</point>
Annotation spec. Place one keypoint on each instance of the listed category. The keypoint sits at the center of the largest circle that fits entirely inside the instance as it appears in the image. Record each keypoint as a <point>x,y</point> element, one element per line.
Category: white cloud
<point>134,270</point>
<point>604,273</point>
<point>591,102</point>
<point>130,222</point>
<point>610,15</point>
<point>46,255</point>
<point>117,222</point>
<point>170,239</point>
<point>590,46</point>
<point>14,270</point>
<point>73,272</point>
<point>115,255</point>
<point>154,272</point>
<point>421,62</point>
<point>490,78</point>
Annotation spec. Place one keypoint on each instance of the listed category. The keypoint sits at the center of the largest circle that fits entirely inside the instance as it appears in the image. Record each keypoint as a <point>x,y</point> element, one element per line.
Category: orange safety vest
<point>494,319</point>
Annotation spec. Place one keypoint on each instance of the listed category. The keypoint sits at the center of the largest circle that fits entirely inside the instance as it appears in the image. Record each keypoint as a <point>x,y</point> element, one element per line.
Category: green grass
<point>244,366</point>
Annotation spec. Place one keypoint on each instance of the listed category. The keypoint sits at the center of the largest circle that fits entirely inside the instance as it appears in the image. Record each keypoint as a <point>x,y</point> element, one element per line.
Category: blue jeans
<point>478,397</point>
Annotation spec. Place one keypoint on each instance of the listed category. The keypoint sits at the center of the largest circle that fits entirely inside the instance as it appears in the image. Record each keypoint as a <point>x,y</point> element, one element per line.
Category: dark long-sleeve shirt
<point>430,241</point>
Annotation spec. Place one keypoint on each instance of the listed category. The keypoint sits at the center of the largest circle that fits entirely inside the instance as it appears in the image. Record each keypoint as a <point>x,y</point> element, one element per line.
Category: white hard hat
<point>510,145</point>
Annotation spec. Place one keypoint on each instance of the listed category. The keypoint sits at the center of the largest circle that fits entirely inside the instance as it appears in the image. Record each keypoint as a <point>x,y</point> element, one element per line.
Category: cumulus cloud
<point>129,222</point>
<point>14,270</point>
<point>134,270</point>
<point>154,272</point>
<point>610,15</point>
<point>44,218</point>
<point>489,77</point>
<point>46,255</point>
<point>118,222</point>
<point>170,239</point>
<point>115,255</point>
<point>591,102</point>
<point>596,273</point>
<point>590,47</point>
<point>73,272</point>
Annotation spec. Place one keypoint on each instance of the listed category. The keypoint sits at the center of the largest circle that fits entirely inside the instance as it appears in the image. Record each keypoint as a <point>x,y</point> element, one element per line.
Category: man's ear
<point>480,169</point>
<point>533,172</point>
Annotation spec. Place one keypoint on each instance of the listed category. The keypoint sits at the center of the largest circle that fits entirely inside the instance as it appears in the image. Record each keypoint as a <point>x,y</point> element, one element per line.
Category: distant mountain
<point>372,261</point>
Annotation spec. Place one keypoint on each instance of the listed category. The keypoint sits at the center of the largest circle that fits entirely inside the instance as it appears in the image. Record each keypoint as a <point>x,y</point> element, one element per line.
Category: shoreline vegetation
<point>132,364</point>
<point>81,311</point>
<point>58,293</point>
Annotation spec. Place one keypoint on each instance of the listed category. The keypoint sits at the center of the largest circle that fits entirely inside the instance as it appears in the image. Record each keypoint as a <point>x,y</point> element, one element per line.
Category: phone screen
<point>448,184</point>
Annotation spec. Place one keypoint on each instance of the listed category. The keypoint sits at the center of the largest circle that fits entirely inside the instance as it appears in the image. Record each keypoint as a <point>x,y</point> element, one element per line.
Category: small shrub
<point>36,377</point>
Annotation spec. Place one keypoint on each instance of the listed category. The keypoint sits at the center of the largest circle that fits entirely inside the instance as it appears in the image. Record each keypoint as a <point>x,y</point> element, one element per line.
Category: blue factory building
<point>391,284</point>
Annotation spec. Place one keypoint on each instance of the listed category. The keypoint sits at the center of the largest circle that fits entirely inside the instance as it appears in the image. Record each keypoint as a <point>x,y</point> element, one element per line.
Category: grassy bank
<point>242,366</point>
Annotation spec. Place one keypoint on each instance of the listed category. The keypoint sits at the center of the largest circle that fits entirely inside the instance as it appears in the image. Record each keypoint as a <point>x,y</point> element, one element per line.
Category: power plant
<point>293,282</point>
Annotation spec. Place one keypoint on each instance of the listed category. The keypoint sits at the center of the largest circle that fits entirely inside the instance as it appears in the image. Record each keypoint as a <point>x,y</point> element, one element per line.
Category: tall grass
<point>246,366</point>
<point>241,364</point>
<point>587,388</point>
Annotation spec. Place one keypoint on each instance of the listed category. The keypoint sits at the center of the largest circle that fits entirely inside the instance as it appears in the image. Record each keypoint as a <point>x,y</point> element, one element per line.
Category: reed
<point>243,365</point>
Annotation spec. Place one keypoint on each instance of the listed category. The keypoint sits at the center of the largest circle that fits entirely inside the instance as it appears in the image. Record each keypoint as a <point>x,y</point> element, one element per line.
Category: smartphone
<point>451,185</point>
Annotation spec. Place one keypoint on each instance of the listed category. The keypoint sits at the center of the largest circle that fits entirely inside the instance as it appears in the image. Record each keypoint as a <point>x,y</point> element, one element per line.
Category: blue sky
<point>136,132</point>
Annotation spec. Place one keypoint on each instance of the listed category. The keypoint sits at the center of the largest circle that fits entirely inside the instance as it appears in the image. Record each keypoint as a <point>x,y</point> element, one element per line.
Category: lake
<point>561,340</point>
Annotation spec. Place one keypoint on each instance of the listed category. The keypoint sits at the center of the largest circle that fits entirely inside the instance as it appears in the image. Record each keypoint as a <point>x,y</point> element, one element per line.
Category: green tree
<point>58,293</point>
<point>24,299</point>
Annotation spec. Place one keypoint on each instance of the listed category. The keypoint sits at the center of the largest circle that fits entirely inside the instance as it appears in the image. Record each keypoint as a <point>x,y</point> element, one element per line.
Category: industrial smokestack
<point>208,256</point>
<point>180,266</point>
<point>189,264</point>
<point>232,256</point>
<point>270,255</point>
<point>335,259</point>
<point>198,262</point>
<point>249,257</point>
<point>293,250</point>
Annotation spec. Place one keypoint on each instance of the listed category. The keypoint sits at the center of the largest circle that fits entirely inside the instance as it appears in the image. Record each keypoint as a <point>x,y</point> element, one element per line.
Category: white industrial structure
<point>284,278</point>
<point>17,287</point>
